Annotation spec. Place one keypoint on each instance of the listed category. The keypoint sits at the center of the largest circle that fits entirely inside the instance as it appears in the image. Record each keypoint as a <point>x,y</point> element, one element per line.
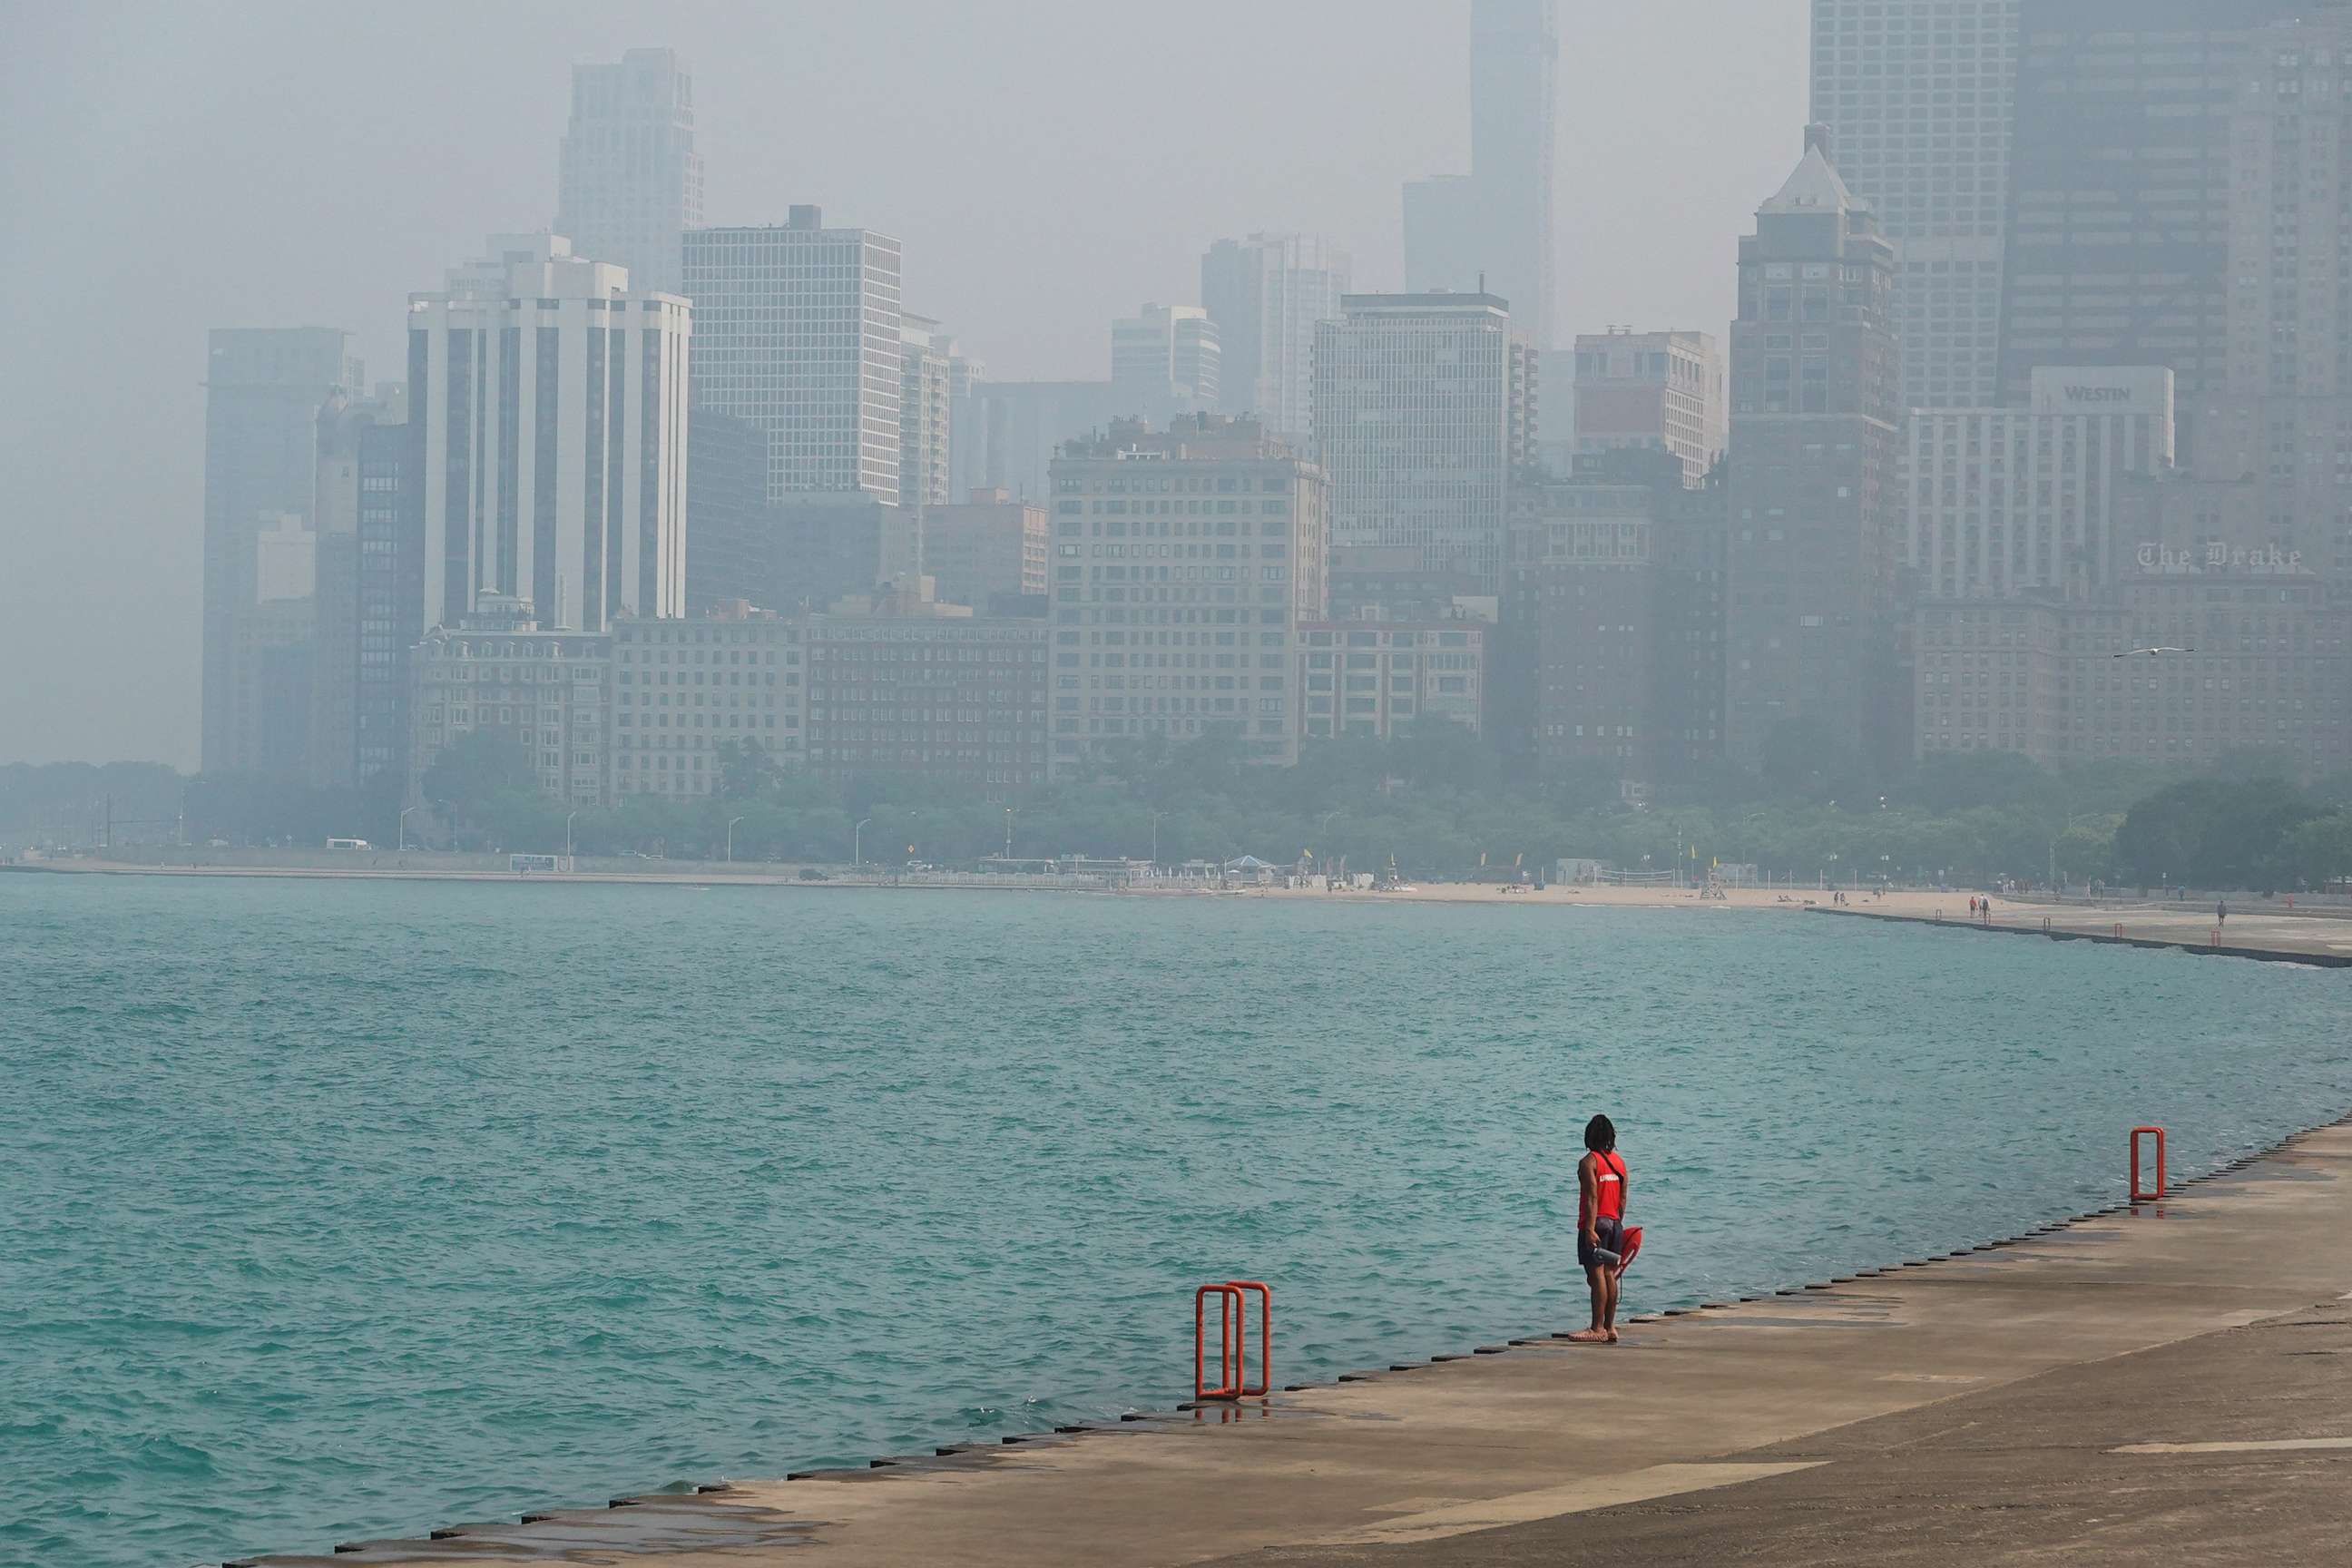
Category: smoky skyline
<point>1048,168</point>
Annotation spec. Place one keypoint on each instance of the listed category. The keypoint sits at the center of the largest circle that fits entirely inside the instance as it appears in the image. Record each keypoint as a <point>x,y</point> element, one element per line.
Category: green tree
<point>745,770</point>
<point>473,773</point>
<point>2212,833</point>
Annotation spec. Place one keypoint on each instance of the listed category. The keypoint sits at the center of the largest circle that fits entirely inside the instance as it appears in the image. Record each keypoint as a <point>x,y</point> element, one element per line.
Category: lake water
<point>338,1209</point>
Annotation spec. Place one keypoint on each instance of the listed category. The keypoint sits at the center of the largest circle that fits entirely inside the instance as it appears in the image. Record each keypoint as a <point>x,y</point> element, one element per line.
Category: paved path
<point>1963,1410</point>
<point>2306,938</point>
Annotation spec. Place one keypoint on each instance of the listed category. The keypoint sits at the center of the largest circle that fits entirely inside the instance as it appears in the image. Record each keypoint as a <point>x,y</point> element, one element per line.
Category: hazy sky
<point>1049,164</point>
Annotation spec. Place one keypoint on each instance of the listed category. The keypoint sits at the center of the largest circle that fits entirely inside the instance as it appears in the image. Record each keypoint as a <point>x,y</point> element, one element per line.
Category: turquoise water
<point>337,1209</point>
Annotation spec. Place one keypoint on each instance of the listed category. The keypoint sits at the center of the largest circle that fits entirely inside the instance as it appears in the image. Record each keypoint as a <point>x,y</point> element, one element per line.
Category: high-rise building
<point>500,671</point>
<point>546,409</point>
<point>1610,653</point>
<point>1815,513</point>
<point>1420,415</point>
<point>1165,360</point>
<point>391,590</point>
<point>340,544</point>
<point>1018,425</point>
<point>2116,250</point>
<point>1657,391</point>
<point>631,182</point>
<point>2282,411</point>
<point>1183,564</point>
<point>729,528</point>
<point>683,689</point>
<point>1918,95</point>
<point>798,330</point>
<point>927,354</point>
<point>264,390</point>
<point>2003,502</point>
<point>1265,294</point>
<point>1493,231</point>
<point>967,421</point>
<point>988,551</point>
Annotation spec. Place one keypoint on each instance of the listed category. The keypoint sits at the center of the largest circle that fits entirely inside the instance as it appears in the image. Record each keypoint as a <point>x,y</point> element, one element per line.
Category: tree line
<point>1434,801</point>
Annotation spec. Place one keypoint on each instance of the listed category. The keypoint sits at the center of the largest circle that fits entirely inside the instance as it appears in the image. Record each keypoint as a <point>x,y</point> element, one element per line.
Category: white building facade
<point>800,332</point>
<point>2007,501</point>
<point>547,408</point>
<point>925,411</point>
<point>1165,360</point>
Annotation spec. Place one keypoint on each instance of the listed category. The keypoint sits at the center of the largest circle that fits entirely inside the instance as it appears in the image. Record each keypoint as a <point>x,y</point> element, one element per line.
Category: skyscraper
<point>2117,245</point>
<point>1265,295</point>
<point>925,355</point>
<point>1499,221</point>
<point>1419,417</point>
<point>1918,96</point>
<point>349,486</point>
<point>798,328</point>
<point>1165,360</point>
<point>2284,401</point>
<point>390,598</point>
<point>547,410</point>
<point>1814,517</point>
<point>631,182</point>
<point>263,389</point>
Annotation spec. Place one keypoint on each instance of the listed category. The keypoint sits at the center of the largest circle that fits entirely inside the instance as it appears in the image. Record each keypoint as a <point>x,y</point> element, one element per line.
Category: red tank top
<point>1608,1185</point>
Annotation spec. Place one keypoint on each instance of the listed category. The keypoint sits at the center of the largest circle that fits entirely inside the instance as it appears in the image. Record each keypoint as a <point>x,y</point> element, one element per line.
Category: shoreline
<point>2263,931</point>
<point>1925,905</point>
<point>1720,1400</point>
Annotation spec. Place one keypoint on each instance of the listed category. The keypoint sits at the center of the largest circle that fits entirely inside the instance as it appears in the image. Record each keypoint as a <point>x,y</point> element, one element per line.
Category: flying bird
<point>2151,652</point>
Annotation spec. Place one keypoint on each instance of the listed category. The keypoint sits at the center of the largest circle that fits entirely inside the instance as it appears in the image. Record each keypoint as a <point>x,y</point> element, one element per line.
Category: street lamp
<point>857,842</point>
<point>567,835</point>
<point>403,834</point>
<point>1323,832</point>
<point>731,839</point>
<point>1155,835</point>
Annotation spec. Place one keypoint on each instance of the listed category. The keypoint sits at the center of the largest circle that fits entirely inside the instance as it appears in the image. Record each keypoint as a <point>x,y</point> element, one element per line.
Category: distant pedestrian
<point>1599,1226</point>
<point>2221,912</point>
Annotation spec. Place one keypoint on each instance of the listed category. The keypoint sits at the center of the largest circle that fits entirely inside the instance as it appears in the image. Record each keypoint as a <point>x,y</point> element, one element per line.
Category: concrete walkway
<point>1966,1409</point>
<point>2275,936</point>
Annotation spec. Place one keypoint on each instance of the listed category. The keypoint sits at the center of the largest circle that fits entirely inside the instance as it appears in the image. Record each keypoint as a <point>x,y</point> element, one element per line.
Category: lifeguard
<point>1600,1184</point>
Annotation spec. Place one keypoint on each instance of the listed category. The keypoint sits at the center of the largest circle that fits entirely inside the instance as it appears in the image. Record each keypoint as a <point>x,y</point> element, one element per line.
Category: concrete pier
<point>2273,936</point>
<point>2170,1381</point>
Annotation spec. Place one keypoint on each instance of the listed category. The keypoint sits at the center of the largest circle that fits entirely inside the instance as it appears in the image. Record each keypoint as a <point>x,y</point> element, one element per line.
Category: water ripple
<point>341,1210</point>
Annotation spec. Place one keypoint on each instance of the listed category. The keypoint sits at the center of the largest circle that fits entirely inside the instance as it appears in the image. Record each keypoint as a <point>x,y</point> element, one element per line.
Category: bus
<point>347,844</point>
